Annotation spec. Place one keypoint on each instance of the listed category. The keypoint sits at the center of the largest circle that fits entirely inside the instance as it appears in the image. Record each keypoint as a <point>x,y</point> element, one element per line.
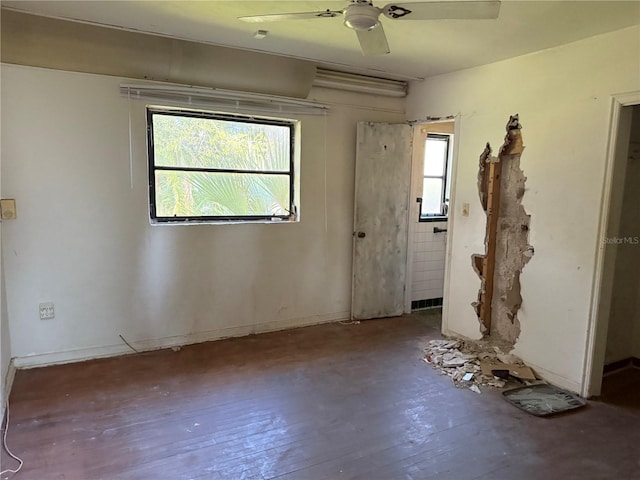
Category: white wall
<point>6,371</point>
<point>83,238</point>
<point>563,98</point>
<point>5,344</point>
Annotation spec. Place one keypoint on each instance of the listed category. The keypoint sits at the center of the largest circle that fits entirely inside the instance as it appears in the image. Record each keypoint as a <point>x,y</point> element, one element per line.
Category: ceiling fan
<point>363,17</point>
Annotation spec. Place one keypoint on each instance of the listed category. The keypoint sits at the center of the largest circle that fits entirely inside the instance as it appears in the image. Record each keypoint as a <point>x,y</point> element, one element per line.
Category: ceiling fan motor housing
<point>361,16</point>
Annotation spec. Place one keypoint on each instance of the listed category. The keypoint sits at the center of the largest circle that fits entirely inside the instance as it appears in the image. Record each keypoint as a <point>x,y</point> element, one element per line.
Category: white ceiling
<point>418,48</point>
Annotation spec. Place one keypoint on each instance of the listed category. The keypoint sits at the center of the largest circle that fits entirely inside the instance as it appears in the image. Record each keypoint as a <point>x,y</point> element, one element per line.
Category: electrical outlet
<point>46,311</point>
<point>465,209</point>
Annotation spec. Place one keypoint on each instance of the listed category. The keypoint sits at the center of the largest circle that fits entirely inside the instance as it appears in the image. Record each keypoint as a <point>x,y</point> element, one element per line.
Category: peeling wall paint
<point>512,249</point>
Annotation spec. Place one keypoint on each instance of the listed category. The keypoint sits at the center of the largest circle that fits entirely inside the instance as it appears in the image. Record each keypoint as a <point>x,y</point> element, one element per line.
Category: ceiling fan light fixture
<point>357,22</point>
<point>361,17</point>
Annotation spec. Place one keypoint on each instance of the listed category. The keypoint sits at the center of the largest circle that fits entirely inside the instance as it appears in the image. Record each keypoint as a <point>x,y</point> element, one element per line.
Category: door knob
<point>361,234</point>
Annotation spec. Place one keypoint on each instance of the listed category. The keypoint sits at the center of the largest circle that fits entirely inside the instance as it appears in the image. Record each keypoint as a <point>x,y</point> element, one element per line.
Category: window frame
<point>212,219</point>
<point>444,214</point>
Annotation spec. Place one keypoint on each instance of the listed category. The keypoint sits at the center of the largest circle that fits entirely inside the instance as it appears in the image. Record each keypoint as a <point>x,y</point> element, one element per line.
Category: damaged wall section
<point>501,187</point>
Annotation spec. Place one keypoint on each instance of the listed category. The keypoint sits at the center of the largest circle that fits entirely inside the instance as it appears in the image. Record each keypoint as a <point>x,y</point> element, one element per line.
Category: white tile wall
<point>428,261</point>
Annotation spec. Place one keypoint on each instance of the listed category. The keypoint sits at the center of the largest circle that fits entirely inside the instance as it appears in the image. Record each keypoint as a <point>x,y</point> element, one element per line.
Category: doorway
<point>615,341</point>
<point>432,171</point>
<point>395,222</point>
<point>622,352</point>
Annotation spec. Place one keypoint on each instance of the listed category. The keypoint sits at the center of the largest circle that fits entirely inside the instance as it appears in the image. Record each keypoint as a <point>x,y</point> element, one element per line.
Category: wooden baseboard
<point>79,355</point>
<point>631,362</point>
<point>8,383</point>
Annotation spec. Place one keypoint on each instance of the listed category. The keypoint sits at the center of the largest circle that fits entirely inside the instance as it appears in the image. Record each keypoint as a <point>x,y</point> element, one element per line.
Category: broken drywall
<point>501,186</point>
<point>474,364</point>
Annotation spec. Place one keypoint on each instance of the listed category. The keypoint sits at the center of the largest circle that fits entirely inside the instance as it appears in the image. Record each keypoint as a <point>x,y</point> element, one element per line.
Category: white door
<point>382,189</point>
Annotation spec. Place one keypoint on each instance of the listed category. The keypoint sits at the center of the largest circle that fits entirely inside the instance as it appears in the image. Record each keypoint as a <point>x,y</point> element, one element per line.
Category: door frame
<point>598,323</point>
<point>413,212</point>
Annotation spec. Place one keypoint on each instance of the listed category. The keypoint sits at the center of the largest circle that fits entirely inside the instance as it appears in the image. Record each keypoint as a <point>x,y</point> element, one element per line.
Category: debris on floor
<point>519,372</point>
<point>476,364</point>
<point>543,399</point>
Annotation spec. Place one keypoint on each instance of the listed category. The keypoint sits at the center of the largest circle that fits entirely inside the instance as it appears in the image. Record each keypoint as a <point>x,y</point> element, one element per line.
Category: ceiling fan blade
<point>373,42</point>
<point>442,10</point>
<point>291,16</point>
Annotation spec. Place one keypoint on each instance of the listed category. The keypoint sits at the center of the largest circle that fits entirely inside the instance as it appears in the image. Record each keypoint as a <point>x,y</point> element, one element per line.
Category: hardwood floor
<point>622,388</point>
<point>326,402</point>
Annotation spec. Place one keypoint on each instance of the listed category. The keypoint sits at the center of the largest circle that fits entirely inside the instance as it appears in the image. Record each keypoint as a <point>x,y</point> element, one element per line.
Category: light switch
<point>8,208</point>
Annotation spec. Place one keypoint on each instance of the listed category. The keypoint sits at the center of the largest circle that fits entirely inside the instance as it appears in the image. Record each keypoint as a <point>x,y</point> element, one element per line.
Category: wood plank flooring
<point>325,402</point>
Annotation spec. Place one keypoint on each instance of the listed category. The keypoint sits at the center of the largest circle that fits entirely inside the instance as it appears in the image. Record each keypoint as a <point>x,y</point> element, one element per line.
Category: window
<point>435,184</point>
<point>217,167</point>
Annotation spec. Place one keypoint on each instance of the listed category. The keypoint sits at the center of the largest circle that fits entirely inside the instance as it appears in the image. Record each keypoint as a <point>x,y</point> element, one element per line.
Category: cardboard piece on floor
<point>518,371</point>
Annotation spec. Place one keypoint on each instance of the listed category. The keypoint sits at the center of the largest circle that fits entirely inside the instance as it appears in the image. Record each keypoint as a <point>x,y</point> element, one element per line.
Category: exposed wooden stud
<point>489,261</point>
